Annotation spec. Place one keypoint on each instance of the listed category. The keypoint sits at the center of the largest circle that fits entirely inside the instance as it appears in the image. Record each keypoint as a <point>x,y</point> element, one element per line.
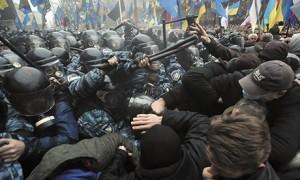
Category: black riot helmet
<point>139,104</point>
<point>45,59</point>
<point>143,43</point>
<point>62,55</point>
<point>91,39</point>
<point>175,35</point>
<point>237,39</point>
<point>156,33</point>
<point>112,40</point>
<point>20,42</point>
<point>91,58</point>
<point>29,91</point>
<point>9,62</point>
<point>34,41</point>
<point>189,57</point>
<point>70,38</point>
<point>56,39</point>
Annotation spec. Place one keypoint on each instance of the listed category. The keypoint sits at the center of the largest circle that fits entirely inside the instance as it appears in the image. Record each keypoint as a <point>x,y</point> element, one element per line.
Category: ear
<point>207,173</point>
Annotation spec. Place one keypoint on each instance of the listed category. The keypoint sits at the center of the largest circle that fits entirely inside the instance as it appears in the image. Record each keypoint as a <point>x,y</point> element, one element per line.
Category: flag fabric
<point>170,6</point>
<point>19,25</point>
<point>3,4</point>
<point>7,10</point>
<point>296,10</point>
<point>131,12</point>
<point>271,13</point>
<point>254,13</point>
<point>26,20</point>
<point>166,16</point>
<point>24,6</point>
<point>115,12</point>
<point>202,11</point>
<point>234,8</point>
<point>279,12</point>
<point>44,7</point>
<point>217,8</point>
<point>287,12</point>
<point>39,2</point>
<point>34,24</point>
<point>224,20</point>
<point>246,21</point>
<point>60,14</point>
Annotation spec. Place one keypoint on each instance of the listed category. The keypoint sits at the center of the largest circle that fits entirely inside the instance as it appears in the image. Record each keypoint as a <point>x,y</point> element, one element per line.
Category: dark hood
<point>185,169</point>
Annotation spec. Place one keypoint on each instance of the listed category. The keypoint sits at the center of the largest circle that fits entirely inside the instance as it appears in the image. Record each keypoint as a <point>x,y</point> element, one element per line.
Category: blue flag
<point>38,2</point>
<point>19,25</point>
<point>60,14</point>
<point>24,6</point>
<point>217,8</point>
<point>26,19</point>
<point>34,24</point>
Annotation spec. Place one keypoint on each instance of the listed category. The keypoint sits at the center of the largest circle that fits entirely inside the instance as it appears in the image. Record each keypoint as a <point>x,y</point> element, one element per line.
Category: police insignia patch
<point>176,76</point>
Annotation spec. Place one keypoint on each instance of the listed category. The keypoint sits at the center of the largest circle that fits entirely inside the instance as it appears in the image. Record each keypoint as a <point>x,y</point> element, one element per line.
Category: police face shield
<point>59,42</point>
<point>150,49</point>
<point>9,62</point>
<point>115,43</point>
<point>62,55</point>
<point>139,104</point>
<point>35,42</point>
<point>31,94</point>
<point>91,39</point>
<point>52,67</point>
<point>72,40</point>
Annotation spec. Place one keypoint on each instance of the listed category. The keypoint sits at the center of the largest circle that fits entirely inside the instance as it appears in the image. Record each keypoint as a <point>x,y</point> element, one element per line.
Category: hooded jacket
<point>283,113</point>
<point>193,128</point>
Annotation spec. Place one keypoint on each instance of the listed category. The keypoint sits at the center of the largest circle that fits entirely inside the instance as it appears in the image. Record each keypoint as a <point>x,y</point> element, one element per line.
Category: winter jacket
<point>193,129</point>
<point>283,113</point>
<point>100,149</point>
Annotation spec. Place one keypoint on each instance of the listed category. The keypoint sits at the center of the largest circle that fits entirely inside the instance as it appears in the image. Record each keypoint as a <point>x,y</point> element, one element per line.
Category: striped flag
<point>202,11</point>
<point>234,8</point>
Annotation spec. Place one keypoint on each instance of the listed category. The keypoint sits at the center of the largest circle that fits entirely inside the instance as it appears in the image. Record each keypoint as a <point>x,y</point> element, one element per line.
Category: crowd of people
<point>110,104</point>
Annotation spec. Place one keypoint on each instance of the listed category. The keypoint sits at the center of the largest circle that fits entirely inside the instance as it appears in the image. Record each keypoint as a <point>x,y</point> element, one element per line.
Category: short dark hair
<point>238,143</point>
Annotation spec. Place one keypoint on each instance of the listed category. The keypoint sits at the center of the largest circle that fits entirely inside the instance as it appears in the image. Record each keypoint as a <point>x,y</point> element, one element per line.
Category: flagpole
<point>154,11</point>
<point>120,9</point>
<point>258,19</point>
<point>17,15</point>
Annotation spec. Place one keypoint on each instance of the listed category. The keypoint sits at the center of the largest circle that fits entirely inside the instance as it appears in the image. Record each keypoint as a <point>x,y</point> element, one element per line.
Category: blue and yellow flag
<point>202,11</point>
<point>217,8</point>
<point>234,8</point>
<point>270,12</point>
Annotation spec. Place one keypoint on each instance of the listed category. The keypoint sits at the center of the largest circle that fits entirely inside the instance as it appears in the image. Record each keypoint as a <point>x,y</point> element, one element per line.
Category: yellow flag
<point>3,4</point>
<point>202,11</point>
